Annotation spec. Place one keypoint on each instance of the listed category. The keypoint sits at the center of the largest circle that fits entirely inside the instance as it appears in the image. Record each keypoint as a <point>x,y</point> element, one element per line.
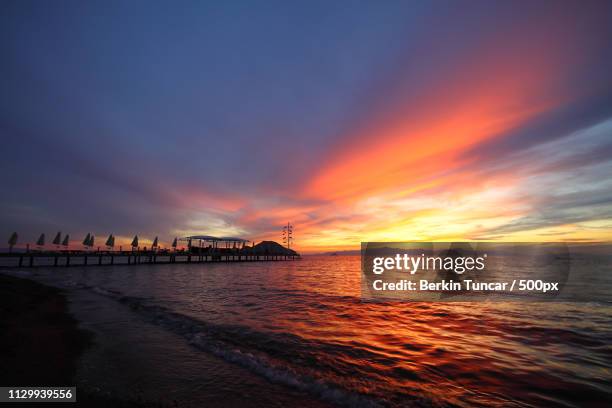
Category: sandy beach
<point>41,341</point>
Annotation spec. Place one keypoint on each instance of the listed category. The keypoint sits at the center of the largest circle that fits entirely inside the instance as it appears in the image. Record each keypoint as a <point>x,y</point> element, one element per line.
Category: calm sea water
<point>298,332</point>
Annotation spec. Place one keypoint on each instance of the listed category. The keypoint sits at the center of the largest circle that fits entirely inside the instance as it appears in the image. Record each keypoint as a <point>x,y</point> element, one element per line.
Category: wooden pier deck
<point>106,258</point>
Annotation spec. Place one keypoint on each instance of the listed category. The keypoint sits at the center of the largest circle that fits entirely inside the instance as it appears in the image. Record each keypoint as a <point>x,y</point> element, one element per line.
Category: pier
<point>106,258</point>
<point>200,249</point>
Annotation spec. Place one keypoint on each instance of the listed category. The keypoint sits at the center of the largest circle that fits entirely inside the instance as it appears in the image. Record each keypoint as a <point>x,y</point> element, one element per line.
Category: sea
<point>298,333</point>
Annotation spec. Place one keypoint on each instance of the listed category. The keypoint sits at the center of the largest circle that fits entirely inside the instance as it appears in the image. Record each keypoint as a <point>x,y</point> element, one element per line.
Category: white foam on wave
<point>197,334</point>
<point>282,375</point>
<point>106,292</point>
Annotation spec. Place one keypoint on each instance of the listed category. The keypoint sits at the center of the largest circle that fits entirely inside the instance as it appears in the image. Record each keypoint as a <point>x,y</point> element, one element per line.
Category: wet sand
<point>41,342</point>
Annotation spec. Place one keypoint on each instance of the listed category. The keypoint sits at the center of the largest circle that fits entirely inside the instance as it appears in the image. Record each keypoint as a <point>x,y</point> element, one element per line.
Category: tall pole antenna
<point>288,235</point>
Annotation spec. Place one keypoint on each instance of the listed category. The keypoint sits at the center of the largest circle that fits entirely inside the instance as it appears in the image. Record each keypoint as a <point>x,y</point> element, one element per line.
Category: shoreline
<point>48,335</point>
<point>41,341</point>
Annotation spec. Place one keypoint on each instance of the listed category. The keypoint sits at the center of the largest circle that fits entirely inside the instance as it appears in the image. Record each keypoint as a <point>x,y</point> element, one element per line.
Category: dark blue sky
<point>215,117</point>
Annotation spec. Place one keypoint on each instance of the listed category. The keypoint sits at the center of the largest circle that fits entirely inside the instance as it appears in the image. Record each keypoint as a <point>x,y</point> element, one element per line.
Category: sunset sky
<point>355,121</point>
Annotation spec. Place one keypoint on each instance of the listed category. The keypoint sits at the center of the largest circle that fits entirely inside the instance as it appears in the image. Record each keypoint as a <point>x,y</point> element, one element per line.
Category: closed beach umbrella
<point>12,241</point>
<point>66,240</point>
<point>91,241</point>
<point>110,242</point>
<point>86,240</point>
<point>57,239</point>
<point>41,240</point>
<point>135,241</point>
<point>174,243</point>
<point>154,243</point>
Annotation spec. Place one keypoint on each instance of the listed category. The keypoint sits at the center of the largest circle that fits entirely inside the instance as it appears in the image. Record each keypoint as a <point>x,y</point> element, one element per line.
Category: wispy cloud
<point>383,122</point>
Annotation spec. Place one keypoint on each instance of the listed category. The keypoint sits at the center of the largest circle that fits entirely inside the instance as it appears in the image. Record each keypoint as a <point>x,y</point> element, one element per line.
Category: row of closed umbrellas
<point>88,241</point>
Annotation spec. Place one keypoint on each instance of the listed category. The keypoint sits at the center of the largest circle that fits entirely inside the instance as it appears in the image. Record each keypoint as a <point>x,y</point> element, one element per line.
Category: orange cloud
<point>428,141</point>
<point>402,175</point>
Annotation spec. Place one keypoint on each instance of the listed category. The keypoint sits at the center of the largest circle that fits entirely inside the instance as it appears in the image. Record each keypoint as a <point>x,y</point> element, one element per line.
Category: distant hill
<point>270,248</point>
<point>345,252</point>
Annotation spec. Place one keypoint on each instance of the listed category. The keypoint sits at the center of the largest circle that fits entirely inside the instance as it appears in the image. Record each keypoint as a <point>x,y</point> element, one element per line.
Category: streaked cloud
<point>390,121</point>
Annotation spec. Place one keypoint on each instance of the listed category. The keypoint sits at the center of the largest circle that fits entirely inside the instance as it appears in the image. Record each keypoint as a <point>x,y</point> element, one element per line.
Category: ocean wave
<point>394,354</point>
<point>215,339</point>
